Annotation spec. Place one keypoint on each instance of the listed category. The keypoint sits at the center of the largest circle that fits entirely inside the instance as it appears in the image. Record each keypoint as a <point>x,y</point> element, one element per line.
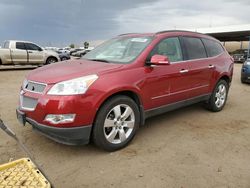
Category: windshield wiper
<point>101,60</point>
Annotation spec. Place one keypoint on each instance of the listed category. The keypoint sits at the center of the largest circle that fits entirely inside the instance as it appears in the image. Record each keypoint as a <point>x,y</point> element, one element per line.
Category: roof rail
<point>127,34</point>
<point>167,31</point>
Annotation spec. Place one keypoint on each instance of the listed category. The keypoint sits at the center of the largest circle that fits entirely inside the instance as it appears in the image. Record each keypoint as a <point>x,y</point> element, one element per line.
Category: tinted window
<point>31,46</point>
<point>20,45</point>
<point>213,48</point>
<point>195,48</point>
<point>6,44</point>
<point>169,47</point>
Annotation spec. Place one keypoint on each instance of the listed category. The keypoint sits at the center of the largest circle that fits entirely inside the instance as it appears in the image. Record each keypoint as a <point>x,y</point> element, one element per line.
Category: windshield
<point>119,50</point>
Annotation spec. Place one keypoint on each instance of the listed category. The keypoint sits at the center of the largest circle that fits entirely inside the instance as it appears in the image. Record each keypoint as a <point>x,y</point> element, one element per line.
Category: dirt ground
<point>190,147</point>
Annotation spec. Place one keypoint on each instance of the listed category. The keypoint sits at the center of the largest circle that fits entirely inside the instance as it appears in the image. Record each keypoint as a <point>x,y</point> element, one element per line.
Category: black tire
<point>50,60</point>
<point>64,59</point>
<point>211,103</point>
<point>242,81</point>
<point>99,136</point>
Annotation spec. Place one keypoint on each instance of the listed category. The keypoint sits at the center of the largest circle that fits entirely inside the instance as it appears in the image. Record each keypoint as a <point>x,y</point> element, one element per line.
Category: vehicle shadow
<point>41,145</point>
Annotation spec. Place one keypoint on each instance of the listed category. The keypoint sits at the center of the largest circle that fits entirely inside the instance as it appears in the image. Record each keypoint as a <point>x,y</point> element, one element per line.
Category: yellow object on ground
<point>22,173</point>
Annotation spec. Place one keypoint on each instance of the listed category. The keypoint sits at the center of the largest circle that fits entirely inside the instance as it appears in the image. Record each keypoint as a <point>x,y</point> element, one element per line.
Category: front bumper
<point>70,136</point>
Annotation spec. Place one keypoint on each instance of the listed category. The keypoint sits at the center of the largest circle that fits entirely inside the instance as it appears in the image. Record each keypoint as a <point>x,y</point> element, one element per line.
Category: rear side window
<point>20,46</point>
<point>194,47</point>
<point>169,47</point>
<point>213,48</point>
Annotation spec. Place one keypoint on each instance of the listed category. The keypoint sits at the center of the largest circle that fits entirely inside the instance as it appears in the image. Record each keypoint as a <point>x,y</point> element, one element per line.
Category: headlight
<point>74,86</point>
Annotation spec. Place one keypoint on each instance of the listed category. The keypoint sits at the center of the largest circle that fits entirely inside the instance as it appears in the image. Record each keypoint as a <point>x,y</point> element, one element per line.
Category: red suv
<point>109,93</point>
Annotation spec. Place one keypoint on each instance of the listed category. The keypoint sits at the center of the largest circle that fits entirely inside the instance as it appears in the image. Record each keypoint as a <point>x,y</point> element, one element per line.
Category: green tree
<point>72,46</point>
<point>86,44</point>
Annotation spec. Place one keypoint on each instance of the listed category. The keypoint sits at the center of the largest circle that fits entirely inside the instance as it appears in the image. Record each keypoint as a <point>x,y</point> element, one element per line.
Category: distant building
<point>233,37</point>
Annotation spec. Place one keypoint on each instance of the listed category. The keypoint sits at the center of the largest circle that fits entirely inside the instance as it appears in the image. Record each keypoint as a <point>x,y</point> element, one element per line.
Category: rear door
<point>19,54</point>
<point>35,54</point>
<point>200,69</point>
<point>167,84</point>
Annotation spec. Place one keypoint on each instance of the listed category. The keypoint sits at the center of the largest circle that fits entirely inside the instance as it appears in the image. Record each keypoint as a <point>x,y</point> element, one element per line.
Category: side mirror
<point>159,60</point>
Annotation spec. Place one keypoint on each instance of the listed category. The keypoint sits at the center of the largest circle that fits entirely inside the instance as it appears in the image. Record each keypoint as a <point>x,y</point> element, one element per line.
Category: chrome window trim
<point>205,58</point>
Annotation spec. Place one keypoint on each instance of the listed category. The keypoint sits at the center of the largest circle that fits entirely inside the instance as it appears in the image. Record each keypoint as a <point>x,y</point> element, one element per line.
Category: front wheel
<point>50,60</point>
<point>218,98</point>
<point>116,123</point>
<point>64,59</point>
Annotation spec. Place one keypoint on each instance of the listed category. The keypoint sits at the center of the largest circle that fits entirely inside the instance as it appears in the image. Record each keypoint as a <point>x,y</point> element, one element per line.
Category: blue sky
<point>61,22</point>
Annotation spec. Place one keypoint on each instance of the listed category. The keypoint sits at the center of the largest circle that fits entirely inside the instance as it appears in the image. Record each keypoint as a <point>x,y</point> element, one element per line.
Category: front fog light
<point>60,118</point>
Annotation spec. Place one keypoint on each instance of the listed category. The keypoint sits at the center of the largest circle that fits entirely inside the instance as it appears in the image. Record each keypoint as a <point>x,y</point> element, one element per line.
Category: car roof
<point>171,32</point>
<point>19,41</point>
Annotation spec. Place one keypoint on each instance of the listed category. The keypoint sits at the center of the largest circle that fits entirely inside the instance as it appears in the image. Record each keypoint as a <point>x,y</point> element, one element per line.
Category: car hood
<point>51,52</point>
<point>66,70</point>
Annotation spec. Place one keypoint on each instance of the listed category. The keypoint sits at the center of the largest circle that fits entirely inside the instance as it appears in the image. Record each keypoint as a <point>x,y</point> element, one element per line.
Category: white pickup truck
<point>24,52</point>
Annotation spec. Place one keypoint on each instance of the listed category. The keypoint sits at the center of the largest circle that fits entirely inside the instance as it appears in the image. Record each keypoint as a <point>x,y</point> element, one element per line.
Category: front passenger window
<point>169,47</point>
<point>31,46</point>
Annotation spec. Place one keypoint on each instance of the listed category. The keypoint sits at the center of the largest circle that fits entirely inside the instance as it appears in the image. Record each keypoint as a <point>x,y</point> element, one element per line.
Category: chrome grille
<point>28,103</point>
<point>34,87</point>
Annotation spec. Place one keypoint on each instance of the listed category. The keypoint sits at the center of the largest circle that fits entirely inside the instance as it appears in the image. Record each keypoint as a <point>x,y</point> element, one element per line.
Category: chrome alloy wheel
<point>119,124</point>
<point>220,95</point>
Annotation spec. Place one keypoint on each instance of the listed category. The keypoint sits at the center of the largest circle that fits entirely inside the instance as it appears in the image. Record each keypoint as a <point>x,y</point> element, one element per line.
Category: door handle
<point>30,52</point>
<point>210,66</point>
<point>183,71</point>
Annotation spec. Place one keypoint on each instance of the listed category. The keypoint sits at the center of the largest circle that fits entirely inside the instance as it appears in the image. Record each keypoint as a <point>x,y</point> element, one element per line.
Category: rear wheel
<point>116,123</point>
<point>218,98</point>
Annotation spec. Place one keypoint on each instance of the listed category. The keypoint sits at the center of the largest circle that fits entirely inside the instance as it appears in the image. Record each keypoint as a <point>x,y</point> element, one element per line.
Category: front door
<point>35,54</point>
<point>167,84</point>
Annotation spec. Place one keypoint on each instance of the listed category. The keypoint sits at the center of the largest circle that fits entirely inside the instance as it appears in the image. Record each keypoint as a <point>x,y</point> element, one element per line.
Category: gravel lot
<point>190,147</point>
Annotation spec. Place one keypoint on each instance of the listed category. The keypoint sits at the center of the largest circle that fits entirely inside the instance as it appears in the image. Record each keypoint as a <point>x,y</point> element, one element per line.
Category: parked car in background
<point>24,52</point>
<point>245,72</point>
<point>108,94</point>
<point>63,55</point>
<point>240,56</point>
<point>75,50</point>
<point>63,50</point>
<point>51,48</point>
<point>81,53</point>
